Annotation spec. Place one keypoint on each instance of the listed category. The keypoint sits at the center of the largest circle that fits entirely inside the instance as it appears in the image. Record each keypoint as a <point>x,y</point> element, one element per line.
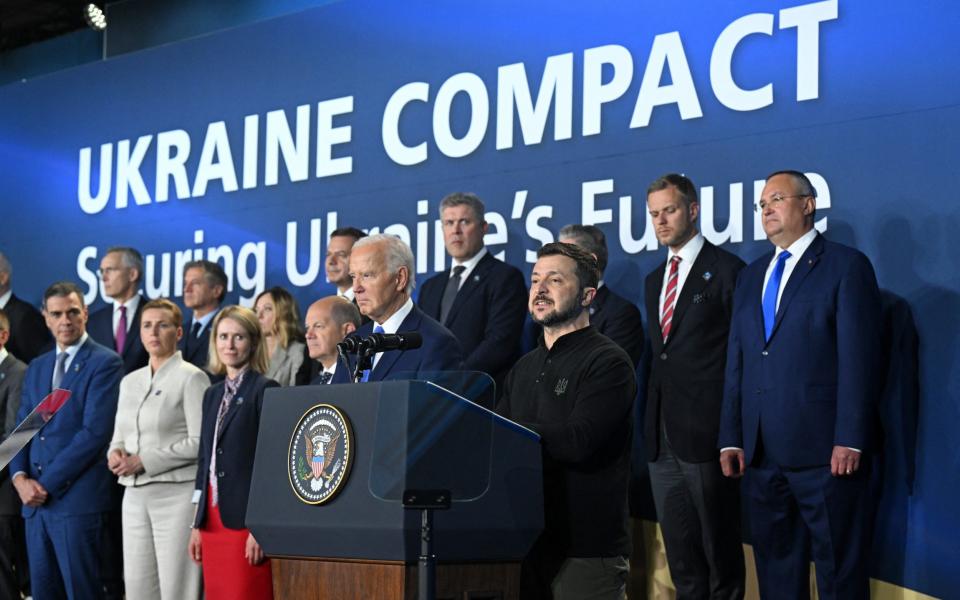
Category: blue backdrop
<point>249,146</point>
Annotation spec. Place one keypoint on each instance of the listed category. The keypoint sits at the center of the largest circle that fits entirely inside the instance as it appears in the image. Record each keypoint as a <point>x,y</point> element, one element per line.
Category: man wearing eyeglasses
<point>800,397</point>
<point>117,326</point>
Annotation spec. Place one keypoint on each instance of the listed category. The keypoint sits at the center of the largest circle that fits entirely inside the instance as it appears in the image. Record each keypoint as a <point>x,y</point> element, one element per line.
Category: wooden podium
<point>362,542</point>
<point>314,579</point>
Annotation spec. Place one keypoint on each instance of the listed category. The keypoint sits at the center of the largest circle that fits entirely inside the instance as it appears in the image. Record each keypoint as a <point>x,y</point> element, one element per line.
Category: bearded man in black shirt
<point>576,390</point>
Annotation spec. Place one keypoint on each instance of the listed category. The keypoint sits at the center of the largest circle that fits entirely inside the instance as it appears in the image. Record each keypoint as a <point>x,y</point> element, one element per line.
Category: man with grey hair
<point>382,270</point>
<point>610,313</point>
<point>118,326</point>
<point>480,299</point>
<point>29,335</point>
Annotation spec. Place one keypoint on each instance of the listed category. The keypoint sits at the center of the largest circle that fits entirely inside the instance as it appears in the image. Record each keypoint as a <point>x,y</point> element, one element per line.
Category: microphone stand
<point>364,360</point>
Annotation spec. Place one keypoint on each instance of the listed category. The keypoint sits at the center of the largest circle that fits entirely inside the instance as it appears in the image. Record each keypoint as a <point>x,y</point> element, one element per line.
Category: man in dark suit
<point>610,313</point>
<point>689,301</point>
<point>204,288</point>
<point>382,269</point>
<point>328,321</point>
<point>29,336</point>
<point>481,299</point>
<point>118,326</point>
<point>800,399</point>
<point>61,476</point>
<point>13,557</point>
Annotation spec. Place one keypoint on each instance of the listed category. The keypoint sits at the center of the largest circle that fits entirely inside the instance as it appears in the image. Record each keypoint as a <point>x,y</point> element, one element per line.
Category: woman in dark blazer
<point>234,566</point>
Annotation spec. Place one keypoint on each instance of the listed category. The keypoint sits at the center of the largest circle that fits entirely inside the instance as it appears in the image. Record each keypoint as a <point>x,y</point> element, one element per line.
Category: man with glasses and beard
<point>575,390</point>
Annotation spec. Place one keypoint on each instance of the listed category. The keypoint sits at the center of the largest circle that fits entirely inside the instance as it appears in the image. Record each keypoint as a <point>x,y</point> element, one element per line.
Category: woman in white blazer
<point>156,438</point>
<point>280,326</point>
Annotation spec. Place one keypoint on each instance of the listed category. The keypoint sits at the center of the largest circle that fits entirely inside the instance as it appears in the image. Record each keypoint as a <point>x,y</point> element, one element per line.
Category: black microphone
<point>350,344</point>
<point>402,340</point>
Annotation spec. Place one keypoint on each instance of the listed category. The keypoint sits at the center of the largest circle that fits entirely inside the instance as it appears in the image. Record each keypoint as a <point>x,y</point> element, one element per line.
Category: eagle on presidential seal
<point>320,445</point>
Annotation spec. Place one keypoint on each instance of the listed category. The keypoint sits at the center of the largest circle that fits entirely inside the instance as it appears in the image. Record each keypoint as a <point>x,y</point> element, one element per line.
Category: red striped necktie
<point>670,298</point>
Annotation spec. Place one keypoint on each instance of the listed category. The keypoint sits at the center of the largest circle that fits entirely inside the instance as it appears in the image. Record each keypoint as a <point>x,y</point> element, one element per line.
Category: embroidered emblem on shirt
<point>561,386</point>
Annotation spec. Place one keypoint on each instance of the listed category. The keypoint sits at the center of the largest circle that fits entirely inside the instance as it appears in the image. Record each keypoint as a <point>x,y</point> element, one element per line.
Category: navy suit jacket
<point>197,353</point>
<point>100,328</point>
<point>814,385</point>
<point>69,455</point>
<point>236,447</point>
<point>440,351</point>
<point>685,389</point>
<point>487,314</point>
<point>29,336</point>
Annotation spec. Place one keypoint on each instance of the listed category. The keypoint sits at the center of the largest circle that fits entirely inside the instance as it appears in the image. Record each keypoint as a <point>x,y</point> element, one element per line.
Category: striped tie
<point>670,298</point>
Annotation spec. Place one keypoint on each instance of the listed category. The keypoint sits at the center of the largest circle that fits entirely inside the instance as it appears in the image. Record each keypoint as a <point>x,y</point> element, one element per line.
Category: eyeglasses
<point>778,199</point>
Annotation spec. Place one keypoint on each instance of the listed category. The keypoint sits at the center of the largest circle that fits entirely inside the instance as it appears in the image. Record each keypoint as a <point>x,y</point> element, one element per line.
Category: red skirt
<point>226,573</point>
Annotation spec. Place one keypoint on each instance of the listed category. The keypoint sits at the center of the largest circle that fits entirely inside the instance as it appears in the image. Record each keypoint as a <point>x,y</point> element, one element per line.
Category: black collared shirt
<point>578,396</point>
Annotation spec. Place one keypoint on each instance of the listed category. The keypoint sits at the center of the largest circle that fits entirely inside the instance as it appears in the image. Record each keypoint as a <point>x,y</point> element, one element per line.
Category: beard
<point>561,313</point>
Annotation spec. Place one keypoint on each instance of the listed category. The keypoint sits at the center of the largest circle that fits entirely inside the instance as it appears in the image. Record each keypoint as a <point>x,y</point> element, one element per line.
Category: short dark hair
<point>63,289</point>
<point>803,182</point>
<point>353,232</point>
<point>212,272</point>
<point>131,258</point>
<point>688,191</point>
<point>588,272</point>
<point>591,239</point>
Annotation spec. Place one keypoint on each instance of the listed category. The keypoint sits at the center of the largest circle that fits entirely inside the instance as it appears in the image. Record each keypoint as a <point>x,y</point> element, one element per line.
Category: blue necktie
<point>366,372</point>
<point>770,295</point>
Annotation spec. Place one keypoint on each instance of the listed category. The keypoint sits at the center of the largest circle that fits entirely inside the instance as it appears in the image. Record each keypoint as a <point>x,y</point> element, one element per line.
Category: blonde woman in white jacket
<point>154,453</point>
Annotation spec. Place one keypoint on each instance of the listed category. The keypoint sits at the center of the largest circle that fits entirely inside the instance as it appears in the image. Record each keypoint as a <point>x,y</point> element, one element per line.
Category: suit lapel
<point>387,359</point>
<point>693,285</point>
<point>76,365</point>
<point>238,400</point>
<point>596,307</point>
<point>654,286</point>
<point>805,265</point>
<point>469,286</point>
<point>133,333</point>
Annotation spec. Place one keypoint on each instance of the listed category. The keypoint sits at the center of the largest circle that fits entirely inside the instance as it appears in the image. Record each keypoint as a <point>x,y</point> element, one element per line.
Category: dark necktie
<point>192,338</point>
<point>325,377</point>
<point>120,335</point>
<point>450,293</point>
<point>770,295</point>
<point>60,369</point>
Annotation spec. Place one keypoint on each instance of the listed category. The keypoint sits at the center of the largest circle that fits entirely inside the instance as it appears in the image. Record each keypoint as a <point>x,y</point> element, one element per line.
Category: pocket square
<point>699,298</point>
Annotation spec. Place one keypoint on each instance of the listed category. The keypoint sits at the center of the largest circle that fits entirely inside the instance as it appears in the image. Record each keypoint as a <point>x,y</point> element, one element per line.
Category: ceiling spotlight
<point>95,17</point>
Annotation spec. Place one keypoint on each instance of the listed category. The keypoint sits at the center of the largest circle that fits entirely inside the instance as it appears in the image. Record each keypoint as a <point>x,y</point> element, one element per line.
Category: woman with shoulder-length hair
<point>280,325</point>
<point>154,453</point>
<point>234,566</point>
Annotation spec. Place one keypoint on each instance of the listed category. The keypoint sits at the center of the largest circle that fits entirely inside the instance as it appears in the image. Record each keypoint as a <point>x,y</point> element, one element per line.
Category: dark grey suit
<point>13,545</point>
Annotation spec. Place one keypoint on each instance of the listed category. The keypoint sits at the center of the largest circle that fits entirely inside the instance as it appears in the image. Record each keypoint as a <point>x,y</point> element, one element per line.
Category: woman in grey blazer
<point>280,326</point>
<point>154,449</point>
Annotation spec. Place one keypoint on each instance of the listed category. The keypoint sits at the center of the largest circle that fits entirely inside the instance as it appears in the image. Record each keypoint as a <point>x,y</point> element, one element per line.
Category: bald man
<point>327,322</point>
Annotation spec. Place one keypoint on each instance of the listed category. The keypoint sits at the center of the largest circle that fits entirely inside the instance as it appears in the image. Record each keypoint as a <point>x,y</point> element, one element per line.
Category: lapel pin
<point>592,311</point>
<point>76,368</point>
<point>809,261</point>
<point>156,393</point>
<point>240,400</point>
<point>3,376</point>
<point>476,278</point>
<point>707,276</point>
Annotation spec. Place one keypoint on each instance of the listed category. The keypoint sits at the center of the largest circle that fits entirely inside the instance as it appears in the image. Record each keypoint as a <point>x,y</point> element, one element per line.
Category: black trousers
<point>699,513</point>
<point>14,572</point>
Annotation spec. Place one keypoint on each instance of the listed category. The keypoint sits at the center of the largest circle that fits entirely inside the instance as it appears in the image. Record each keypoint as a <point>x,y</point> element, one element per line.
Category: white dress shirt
<point>131,305</point>
<point>796,249</point>
<point>392,324</point>
<point>688,254</point>
<point>468,265</point>
<point>5,298</point>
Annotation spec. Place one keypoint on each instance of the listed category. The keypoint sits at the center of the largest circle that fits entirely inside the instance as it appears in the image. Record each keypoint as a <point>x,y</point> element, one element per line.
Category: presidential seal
<point>320,455</point>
